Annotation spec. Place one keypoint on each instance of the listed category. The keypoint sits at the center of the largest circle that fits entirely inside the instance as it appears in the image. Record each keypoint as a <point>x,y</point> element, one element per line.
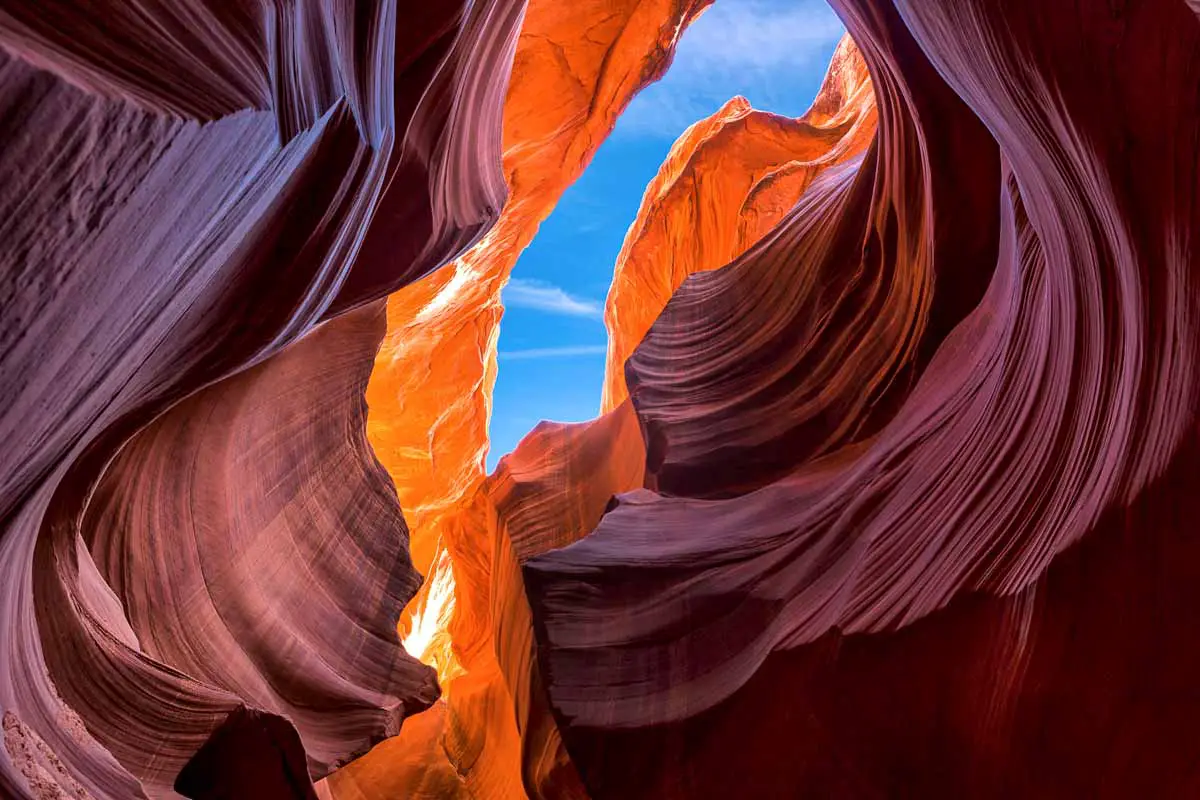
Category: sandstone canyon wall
<point>893,490</point>
<point>194,534</point>
<point>922,511</point>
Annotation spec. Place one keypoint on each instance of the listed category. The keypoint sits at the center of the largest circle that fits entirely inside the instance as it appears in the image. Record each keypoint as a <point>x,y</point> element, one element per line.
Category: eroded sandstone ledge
<point>893,492</point>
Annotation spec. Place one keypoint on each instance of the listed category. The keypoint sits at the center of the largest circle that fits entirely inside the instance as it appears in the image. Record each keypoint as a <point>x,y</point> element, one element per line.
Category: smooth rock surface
<point>894,489</point>
<point>191,521</point>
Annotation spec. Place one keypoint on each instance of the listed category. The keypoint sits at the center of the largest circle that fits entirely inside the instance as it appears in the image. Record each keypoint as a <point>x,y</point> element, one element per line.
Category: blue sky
<point>552,337</point>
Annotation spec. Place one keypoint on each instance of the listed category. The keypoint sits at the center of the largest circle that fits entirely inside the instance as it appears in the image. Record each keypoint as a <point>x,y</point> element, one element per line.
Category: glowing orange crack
<point>428,639</point>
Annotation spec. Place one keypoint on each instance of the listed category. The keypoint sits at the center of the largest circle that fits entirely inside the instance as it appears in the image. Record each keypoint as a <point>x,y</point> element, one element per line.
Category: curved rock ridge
<point>577,66</point>
<point>555,487</point>
<point>727,181</point>
<point>194,534</point>
<point>893,495</point>
<point>495,736</point>
<point>550,492</point>
<point>905,453</point>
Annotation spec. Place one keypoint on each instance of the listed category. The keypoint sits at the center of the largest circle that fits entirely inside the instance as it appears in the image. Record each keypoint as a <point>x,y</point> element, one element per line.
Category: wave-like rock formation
<point>894,490</point>
<point>728,181</point>
<point>203,206</point>
<point>577,65</point>
<point>555,488</point>
<point>920,464</point>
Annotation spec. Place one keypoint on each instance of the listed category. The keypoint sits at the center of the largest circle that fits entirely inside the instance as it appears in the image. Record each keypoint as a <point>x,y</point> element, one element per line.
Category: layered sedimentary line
<point>484,650</point>
<point>900,500</point>
<point>726,183</point>
<point>196,536</point>
<point>983,361</point>
<point>575,69</point>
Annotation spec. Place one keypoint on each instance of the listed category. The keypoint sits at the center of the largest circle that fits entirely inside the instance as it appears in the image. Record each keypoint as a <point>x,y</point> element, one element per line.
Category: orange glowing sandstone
<point>577,65</point>
<point>726,182</point>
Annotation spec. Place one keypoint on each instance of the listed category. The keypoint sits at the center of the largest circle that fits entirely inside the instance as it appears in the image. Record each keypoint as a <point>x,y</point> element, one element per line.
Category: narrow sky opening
<point>552,336</point>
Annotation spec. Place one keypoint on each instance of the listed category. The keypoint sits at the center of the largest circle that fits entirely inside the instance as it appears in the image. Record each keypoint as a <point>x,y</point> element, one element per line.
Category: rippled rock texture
<point>893,495</point>
<point>577,65</point>
<point>202,207</point>
<point>921,464</point>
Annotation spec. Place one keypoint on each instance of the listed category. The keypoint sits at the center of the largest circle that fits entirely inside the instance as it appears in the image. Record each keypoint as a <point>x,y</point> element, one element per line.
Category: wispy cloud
<point>542,296</point>
<point>553,352</point>
<point>764,49</point>
<point>759,34</point>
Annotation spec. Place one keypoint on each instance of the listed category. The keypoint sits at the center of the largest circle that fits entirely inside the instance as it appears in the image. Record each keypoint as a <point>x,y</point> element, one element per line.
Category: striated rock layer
<point>556,487</point>
<point>892,495</point>
<point>916,519</point>
<point>727,182</point>
<point>202,207</point>
<point>432,382</point>
<point>576,67</point>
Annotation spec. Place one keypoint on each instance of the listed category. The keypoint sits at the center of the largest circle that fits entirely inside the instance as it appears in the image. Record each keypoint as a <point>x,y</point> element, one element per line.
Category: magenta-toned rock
<point>894,495</point>
<point>922,464</point>
<point>192,521</point>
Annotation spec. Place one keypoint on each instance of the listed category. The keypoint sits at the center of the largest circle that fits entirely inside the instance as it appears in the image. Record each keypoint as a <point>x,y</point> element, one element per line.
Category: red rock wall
<point>576,67</point>
<point>191,521</point>
<point>431,387</point>
<point>893,494</point>
<point>937,484</point>
<point>726,183</point>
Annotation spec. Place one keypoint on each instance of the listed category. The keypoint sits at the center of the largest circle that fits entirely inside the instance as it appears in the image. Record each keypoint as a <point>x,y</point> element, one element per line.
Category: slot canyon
<point>889,490</point>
